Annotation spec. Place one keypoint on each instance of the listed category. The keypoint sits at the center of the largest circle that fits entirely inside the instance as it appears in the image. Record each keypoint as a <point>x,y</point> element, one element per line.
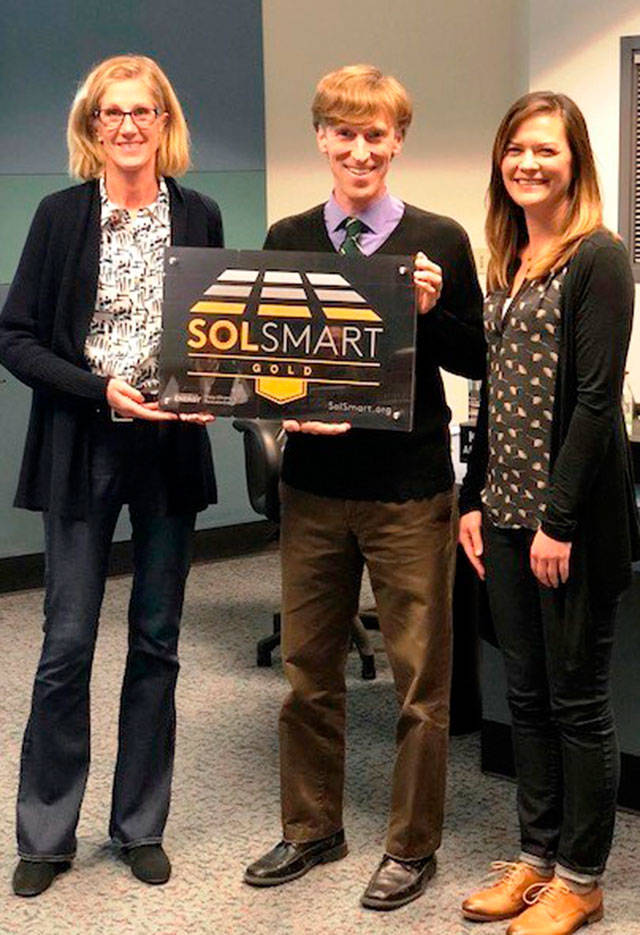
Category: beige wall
<point>463,63</point>
<point>574,47</point>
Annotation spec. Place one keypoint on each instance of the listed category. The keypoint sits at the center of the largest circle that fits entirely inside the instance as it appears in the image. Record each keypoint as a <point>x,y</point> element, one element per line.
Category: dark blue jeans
<point>565,745</point>
<point>55,754</point>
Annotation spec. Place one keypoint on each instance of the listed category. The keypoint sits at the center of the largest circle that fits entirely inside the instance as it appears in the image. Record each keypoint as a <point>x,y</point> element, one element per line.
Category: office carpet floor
<point>225,797</point>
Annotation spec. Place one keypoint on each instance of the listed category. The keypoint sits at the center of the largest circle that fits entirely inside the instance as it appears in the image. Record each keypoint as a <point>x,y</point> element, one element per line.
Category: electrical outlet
<point>481,256</point>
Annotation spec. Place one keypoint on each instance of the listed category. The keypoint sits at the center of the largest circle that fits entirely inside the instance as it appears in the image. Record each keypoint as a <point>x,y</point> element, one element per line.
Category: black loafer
<point>32,877</point>
<point>148,863</point>
<point>396,882</point>
<point>288,861</point>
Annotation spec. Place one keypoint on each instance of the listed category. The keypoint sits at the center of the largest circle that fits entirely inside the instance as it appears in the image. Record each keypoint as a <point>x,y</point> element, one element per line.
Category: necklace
<point>527,260</point>
<point>529,257</point>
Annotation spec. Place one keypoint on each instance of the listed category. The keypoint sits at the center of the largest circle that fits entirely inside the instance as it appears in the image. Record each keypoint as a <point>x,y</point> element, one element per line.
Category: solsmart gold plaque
<point>271,334</point>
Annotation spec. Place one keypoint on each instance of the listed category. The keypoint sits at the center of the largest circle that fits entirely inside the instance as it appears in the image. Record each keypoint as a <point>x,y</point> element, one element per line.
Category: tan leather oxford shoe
<point>557,910</point>
<point>504,898</point>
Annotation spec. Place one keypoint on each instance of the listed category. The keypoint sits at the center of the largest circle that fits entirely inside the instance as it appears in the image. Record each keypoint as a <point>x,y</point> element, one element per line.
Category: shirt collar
<point>373,216</point>
<point>112,213</point>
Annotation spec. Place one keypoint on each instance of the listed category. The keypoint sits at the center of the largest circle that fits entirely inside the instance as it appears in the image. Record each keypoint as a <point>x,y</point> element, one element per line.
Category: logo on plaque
<point>274,334</point>
<point>284,329</point>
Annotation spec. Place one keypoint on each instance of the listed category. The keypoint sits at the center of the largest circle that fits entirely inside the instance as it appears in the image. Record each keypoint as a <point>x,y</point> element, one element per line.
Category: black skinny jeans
<point>566,750</point>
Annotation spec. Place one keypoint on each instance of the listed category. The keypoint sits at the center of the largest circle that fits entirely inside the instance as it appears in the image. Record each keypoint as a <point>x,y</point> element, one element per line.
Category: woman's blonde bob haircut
<point>86,159</point>
<point>505,228</point>
<point>357,94</point>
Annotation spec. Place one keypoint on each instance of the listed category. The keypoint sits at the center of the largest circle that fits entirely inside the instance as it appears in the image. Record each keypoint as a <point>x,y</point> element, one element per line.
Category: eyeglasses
<point>112,117</point>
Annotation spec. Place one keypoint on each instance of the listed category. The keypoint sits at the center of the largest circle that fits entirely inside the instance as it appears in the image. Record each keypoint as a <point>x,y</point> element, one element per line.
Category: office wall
<point>574,47</point>
<point>213,54</point>
<point>463,64</point>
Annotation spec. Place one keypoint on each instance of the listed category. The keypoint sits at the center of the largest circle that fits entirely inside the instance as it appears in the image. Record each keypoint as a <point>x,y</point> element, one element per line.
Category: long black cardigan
<point>43,327</point>
<point>590,501</point>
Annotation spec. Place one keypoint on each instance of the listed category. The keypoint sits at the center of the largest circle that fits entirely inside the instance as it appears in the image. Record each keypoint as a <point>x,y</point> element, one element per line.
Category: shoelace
<point>544,892</point>
<point>506,868</point>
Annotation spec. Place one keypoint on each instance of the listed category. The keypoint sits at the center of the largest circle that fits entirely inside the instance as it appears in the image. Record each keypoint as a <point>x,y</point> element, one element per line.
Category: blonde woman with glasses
<point>81,326</point>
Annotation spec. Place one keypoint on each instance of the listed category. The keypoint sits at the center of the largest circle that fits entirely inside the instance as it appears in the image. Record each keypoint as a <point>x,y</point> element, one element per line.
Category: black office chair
<point>263,444</point>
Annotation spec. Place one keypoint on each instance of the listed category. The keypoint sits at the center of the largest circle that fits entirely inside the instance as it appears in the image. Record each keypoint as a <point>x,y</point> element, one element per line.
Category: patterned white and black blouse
<point>124,334</point>
<point>522,340</point>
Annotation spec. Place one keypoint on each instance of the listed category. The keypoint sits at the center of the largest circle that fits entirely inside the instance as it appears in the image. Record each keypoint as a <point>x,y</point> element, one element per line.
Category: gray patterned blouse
<point>124,334</point>
<point>523,358</point>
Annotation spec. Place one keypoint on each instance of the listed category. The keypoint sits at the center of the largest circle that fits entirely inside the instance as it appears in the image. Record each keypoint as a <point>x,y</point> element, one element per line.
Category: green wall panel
<point>241,196</point>
<point>242,200</point>
<point>20,531</point>
<point>19,198</point>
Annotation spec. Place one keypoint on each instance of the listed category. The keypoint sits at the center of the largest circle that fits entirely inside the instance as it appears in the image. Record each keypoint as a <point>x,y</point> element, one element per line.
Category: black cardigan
<point>590,500</point>
<point>43,327</point>
<point>365,464</point>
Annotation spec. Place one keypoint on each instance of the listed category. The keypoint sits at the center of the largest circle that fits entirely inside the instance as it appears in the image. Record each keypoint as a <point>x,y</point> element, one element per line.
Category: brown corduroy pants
<point>409,550</point>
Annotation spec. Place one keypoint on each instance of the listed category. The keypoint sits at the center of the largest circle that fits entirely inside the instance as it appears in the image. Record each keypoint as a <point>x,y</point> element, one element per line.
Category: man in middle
<point>376,497</point>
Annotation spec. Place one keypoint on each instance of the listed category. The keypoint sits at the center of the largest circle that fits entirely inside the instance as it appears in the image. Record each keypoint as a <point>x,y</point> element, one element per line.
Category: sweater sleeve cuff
<point>468,502</point>
<point>561,532</point>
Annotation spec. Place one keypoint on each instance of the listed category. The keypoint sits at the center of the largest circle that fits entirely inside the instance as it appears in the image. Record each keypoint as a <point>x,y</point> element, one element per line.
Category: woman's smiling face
<point>127,147</point>
<point>537,164</point>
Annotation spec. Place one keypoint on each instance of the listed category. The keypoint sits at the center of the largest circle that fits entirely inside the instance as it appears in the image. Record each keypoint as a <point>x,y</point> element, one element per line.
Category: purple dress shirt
<point>381,219</point>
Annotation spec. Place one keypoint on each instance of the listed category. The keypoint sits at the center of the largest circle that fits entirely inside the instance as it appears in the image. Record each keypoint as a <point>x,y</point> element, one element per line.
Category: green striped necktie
<point>351,243</point>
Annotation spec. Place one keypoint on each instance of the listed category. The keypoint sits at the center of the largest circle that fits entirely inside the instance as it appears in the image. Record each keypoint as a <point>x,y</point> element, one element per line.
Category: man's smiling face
<point>359,158</point>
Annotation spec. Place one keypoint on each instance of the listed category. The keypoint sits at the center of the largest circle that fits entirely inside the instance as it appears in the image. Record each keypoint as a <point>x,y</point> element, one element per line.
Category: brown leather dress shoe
<point>288,861</point>
<point>504,898</point>
<point>557,910</point>
<point>396,882</point>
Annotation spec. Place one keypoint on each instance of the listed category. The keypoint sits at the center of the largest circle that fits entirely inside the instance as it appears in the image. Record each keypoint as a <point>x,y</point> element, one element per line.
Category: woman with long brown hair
<point>547,504</point>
